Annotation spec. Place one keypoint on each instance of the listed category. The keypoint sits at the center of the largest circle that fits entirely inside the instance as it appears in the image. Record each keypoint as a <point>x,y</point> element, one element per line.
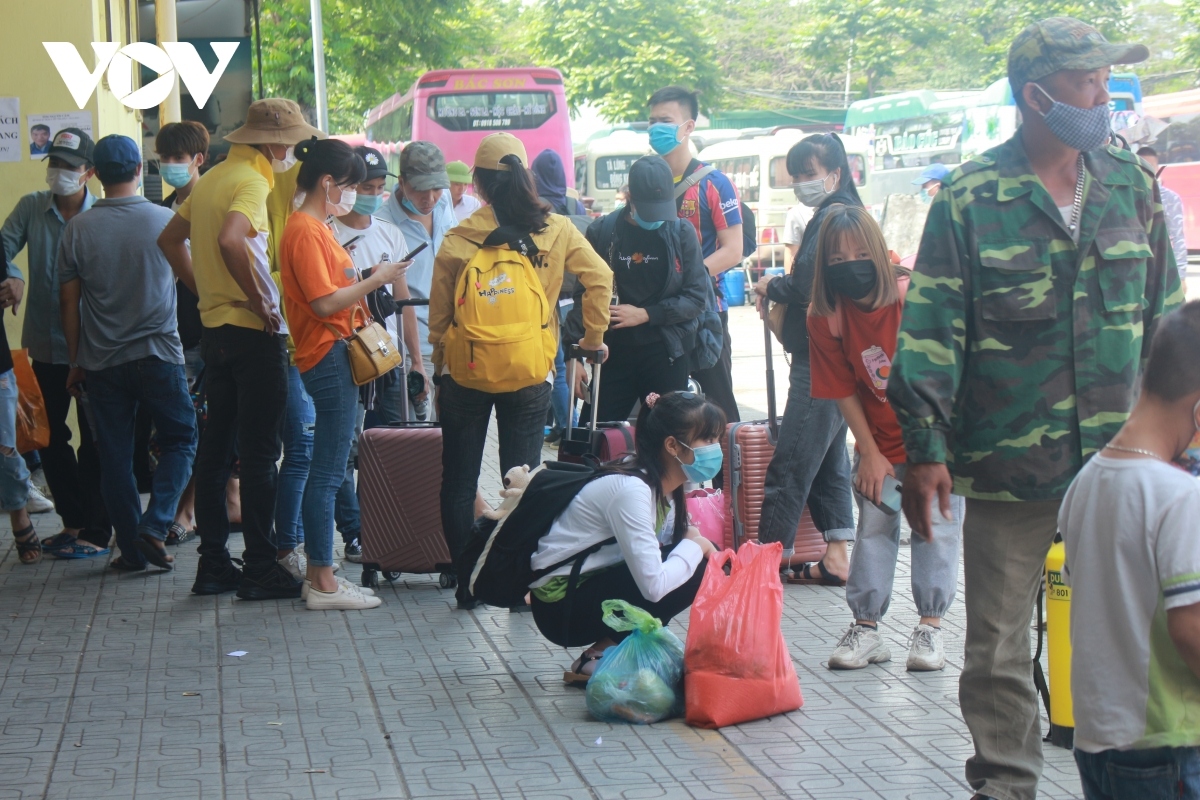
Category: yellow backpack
<point>500,339</point>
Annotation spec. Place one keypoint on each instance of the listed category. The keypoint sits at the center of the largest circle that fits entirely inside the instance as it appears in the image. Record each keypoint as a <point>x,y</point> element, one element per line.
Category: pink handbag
<point>706,509</point>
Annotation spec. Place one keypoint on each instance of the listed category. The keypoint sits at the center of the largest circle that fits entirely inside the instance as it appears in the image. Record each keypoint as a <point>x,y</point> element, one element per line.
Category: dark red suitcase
<point>604,441</point>
<point>748,447</point>
<point>399,488</point>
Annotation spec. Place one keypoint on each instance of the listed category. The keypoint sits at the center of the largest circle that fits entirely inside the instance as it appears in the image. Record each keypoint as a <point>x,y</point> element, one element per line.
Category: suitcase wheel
<point>447,580</point>
<point>370,578</point>
<point>391,577</point>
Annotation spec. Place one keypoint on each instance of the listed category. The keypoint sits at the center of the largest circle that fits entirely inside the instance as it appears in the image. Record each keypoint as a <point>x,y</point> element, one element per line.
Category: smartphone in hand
<point>889,496</point>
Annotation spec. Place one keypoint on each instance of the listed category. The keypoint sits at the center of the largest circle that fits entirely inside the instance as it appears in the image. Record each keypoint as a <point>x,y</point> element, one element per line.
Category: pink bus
<point>455,108</point>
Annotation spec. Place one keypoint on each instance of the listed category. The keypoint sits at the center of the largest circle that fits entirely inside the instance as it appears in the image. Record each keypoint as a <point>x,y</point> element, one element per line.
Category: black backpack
<point>494,567</point>
<point>699,172</point>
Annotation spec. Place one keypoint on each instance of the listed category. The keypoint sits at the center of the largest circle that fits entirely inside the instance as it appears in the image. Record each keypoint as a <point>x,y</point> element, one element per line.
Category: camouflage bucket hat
<point>1062,43</point>
<point>423,166</point>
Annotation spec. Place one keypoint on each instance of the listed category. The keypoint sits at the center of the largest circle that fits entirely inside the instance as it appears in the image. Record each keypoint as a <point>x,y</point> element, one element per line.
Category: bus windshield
<point>494,112</point>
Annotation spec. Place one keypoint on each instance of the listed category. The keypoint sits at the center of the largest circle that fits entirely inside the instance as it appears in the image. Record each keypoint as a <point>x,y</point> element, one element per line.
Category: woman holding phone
<point>853,323</point>
<point>321,291</point>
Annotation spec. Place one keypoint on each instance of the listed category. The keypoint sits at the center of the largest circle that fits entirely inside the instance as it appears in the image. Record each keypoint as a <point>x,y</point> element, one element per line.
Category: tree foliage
<point>616,53</point>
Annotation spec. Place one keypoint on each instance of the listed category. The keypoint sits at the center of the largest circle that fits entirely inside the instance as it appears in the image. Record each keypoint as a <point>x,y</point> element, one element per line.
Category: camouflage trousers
<point>1004,549</point>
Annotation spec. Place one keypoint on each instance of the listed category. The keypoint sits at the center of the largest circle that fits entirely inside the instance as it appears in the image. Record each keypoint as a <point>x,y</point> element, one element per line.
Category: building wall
<point>26,72</point>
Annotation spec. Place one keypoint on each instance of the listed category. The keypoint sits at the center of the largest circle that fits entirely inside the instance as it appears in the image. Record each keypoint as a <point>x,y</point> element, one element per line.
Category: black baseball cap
<point>73,146</point>
<point>376,163</point>
<point>652,189</point>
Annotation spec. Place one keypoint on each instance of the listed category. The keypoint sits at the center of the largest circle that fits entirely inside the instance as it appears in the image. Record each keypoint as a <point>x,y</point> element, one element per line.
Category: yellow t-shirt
<point>240,183</point>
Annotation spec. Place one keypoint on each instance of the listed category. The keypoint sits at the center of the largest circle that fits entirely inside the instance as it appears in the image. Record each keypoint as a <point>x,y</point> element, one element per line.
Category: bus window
<point>491,111</point>
<point>394,127</point>
<point>612,172</point>
<point>1182,141</point>
<point>780,179</point>
<point>743,173</point>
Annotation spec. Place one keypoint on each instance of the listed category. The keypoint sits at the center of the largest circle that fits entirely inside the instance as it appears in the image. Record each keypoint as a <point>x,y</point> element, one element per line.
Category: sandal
<point>121,565</point>
<point>804,576</point>
<point>29,548</point>
<point>155,552</point>
<point>177,534</point>
<point>576,676</point>
<point>60,539</point>
<point>76,550</point>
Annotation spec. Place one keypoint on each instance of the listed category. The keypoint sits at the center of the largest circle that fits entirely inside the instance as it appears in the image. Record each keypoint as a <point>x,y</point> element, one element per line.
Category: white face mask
<point>344,206</point>
<point>289,161</point>
<point>63,182</point>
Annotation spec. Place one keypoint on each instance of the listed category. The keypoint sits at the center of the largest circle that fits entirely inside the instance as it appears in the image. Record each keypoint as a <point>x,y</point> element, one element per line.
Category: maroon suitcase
<point>604,441</point>
<point>399,488</point>
<point>748,447</point>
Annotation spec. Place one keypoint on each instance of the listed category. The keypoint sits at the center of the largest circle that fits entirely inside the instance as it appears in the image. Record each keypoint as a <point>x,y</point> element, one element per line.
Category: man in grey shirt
<point>117,299</point>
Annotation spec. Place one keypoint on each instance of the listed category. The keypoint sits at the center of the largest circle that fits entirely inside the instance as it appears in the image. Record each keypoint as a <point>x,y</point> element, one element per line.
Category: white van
<point>604,165</point>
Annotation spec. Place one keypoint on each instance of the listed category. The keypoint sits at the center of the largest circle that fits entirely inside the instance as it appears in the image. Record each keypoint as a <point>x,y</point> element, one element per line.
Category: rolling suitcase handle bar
<point>574,356</point>
<point>415,301</point>
<point>772,420</point>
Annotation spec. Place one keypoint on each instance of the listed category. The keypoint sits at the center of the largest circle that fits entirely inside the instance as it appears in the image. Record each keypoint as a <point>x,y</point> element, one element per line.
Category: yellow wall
<point>27,72</point>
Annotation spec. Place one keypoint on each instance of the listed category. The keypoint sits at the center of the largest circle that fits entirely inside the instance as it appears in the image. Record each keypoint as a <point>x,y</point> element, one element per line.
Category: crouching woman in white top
<point>660,571</point>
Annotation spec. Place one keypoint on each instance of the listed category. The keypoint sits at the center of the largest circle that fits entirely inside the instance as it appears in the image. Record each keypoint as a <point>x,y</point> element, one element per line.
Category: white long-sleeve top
<point>620,506</point>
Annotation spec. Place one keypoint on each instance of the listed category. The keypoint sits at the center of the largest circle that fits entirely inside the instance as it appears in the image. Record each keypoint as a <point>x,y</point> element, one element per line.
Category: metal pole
<point>846,97</point>
<point>318,34</point>
<point>258,47</point>
<point>165,30</point>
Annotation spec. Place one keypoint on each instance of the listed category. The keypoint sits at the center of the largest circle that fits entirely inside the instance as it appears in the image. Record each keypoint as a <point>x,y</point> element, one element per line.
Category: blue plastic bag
<point>641,679</point>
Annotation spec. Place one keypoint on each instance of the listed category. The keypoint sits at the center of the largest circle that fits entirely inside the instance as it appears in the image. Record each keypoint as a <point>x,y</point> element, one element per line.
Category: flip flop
<point>805,576</point>
<point>60,539</point>
<point>576,676</point>
<point>121,565</point>
<point>155,552</point>
<point>177,534</point>
<point>77,550</point>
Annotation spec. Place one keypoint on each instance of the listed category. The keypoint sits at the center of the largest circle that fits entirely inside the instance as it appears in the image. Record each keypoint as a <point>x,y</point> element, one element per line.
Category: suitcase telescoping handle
<point>416,301</point>
<point>574,356</point>
<point>772,421</point>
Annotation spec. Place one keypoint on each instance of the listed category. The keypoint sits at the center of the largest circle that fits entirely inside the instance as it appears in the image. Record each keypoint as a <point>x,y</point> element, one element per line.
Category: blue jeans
<point>810,466</point>
<point>115,395</point>
<point>14,474</point>
<point>293,472</point>
<point>335,398</point>
<point>1155,774</point>
<point>346,511</point>
<point>391,402</point>
<point>560,399</point>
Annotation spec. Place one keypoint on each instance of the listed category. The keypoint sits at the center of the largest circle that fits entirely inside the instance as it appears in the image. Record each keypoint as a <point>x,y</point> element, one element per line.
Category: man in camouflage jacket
<point>1019,357</point>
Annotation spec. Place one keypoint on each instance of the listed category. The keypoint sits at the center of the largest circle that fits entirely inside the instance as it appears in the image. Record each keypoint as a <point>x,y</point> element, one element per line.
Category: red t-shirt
<point>859,363</point>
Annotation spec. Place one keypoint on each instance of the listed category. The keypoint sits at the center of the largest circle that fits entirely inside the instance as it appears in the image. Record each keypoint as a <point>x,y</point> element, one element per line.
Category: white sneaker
<point>346,598</point>
<point>38,476</point>
<point>37,503</point>
<point>296,563</point>
<point>926,651</point>
<point>859,647</point>
<point>367,590</point>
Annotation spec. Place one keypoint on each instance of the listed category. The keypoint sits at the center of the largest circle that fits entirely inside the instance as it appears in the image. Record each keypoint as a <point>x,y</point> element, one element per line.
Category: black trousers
<point>583,626</point>
<point>631,373</point>
<point>246,381</point>
<point>717,380</point>
<point>74,480</point>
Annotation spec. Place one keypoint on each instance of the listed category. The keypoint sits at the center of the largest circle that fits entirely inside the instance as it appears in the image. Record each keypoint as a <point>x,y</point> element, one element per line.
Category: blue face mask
<point>177,175</point>
<point>705,465</point>
<point>413,209</point>
<point>664,137</point>
<point>647,226</point>
<point>368,204</point>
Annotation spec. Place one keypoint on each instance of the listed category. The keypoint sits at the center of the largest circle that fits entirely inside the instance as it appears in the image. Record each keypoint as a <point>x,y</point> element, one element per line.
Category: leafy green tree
<point>1189,14</point>
<point>616,53</point>
<point>373,48</point>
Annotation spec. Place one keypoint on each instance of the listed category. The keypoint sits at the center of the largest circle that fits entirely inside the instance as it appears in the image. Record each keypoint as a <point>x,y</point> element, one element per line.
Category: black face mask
<point>855,279</point>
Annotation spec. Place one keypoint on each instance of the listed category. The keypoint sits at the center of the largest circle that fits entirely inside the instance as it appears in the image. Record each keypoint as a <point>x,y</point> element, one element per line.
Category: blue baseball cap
<point>934,172</point>
<point>115,156</point>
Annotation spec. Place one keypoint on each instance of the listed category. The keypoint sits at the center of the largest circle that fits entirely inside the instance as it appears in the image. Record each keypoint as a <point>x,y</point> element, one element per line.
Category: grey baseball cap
<point>423,166</point>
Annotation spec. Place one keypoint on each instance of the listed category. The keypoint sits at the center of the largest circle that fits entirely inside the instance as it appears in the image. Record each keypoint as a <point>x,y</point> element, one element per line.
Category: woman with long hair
<point>853,324</point>
<point>321,291</point>
<point>514,219</point>
<point>653,566</point>
<point>810,464</point>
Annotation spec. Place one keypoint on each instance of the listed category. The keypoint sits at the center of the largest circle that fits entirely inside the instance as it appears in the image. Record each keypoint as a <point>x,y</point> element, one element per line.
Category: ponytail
<point>331,157</point>
<point>513,195</point>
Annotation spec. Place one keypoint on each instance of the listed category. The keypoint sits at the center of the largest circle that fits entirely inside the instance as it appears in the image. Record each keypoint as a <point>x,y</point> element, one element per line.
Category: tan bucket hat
<point>273,120</point>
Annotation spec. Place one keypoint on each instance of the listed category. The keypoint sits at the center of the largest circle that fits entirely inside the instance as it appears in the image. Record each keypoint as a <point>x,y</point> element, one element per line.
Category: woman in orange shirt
<point>853,325</point>
<point>320,290</point>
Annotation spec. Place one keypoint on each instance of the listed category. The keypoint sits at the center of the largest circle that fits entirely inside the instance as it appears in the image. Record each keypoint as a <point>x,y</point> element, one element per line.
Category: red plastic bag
<point>33,425</point>
<point>706,508</point>
<point>736,662</point>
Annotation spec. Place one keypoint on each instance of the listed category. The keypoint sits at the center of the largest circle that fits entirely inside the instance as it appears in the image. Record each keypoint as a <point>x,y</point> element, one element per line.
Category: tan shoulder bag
<point>372,354</point>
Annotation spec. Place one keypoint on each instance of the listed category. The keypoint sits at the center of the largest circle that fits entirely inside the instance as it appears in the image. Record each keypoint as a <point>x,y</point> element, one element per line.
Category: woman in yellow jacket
<point>471,361</point>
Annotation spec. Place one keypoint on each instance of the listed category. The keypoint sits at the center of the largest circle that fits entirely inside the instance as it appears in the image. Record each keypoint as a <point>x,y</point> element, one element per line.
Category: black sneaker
<point>353,551</point>
<point>216,577</point>
<point>272,582</point>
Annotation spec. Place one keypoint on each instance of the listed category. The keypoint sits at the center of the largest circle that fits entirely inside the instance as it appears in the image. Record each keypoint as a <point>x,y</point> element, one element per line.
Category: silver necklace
<point>1077,207</point>
<point>1137,450</point>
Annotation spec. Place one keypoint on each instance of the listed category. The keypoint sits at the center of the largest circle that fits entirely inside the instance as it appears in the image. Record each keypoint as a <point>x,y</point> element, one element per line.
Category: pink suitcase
<point>748,447</point>
<point>399,485</point>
